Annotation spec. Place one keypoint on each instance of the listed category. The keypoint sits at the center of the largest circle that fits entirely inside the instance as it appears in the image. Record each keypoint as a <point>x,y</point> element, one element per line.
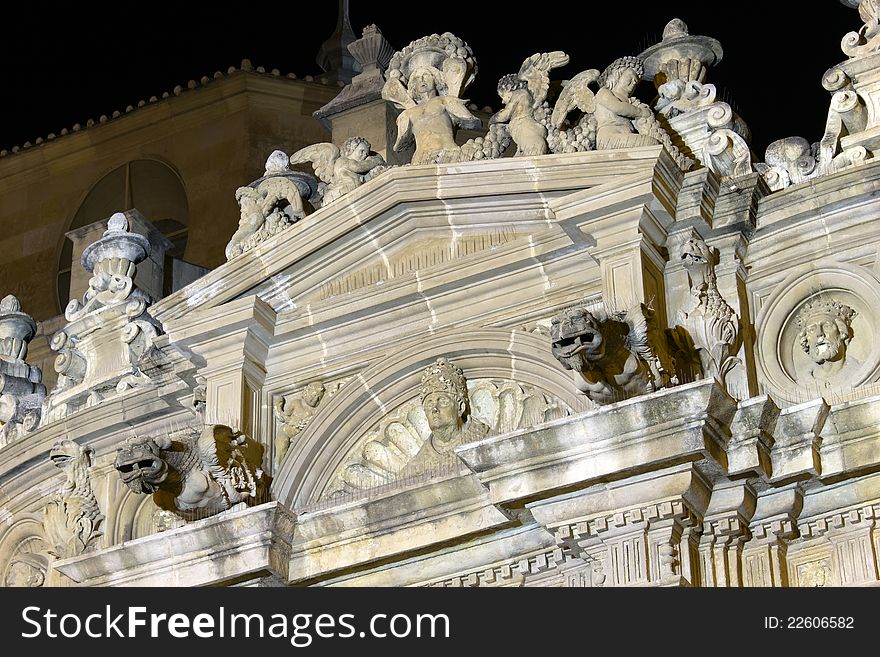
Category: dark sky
<point>64,67</point>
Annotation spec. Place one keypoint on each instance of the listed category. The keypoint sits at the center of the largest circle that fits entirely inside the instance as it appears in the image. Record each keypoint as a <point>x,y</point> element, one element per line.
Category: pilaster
<point>231,347</point>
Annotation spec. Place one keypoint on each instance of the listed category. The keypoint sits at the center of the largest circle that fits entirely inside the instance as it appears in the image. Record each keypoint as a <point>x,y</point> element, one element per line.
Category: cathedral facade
<point>586,340</point>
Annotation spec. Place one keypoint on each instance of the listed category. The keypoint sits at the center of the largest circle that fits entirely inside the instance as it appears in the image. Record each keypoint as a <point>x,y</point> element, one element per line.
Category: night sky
<point>63,68</point>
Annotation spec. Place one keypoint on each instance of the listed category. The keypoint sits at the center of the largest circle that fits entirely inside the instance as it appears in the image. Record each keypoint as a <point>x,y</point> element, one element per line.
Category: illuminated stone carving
<point>426,80</point>
<point>21,389</point>
<point>341,170</point>
<point>72,519</point>
<point>825,333</point>
<point>195,476</point>
<point>269,204</point>
<point>615,355</point>
<point>109,334</point>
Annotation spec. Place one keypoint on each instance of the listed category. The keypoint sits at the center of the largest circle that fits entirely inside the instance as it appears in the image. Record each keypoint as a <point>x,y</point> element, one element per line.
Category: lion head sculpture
<point>195,474</point>
<point>617,355</point>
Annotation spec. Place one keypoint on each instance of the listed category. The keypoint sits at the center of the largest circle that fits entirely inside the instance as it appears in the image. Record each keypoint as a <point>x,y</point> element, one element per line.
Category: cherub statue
<point>294,415</point>
<point>268,205</point>
<point>616,113</point>
<point>340,170</point>
<point>425,80</point>
<point>523,95</point>
<point>621,120</point>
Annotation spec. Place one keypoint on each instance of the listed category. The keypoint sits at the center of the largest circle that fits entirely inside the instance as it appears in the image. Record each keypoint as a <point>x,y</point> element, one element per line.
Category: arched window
<point>148,185</point>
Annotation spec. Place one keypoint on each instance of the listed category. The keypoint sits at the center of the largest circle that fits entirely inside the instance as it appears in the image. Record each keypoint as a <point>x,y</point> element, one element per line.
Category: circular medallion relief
<point>815,333</point>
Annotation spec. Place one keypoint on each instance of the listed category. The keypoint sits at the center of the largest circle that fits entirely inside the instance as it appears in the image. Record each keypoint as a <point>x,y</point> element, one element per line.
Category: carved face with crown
<point>443,394</point>
<point>825,333</point>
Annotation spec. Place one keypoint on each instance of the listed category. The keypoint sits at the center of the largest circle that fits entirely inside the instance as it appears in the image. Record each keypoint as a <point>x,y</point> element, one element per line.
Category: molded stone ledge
<point>98,425</point>
<point>423,514</point>
<point>678,483</point>
<point>849,438</point>
<point>496,560</point>
<point>641,517</point>
<point>684,423</point>
<point>797,435</point>
<point>226,548</point>
<point>752,437</point>
<point>838,530</point>
<point>826,508</point>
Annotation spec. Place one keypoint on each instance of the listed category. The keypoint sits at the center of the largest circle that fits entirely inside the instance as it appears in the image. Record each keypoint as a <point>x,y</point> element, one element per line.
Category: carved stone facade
<point>596,345</point>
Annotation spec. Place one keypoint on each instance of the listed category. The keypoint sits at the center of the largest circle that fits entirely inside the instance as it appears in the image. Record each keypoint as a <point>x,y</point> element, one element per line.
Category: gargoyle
<point>195,476</point>
<point>616,355</point>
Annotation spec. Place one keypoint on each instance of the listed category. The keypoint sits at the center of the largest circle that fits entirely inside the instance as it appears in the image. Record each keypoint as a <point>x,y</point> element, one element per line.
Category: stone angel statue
<point>425,80</point>
<point>576,95</point>
<point>523,95</point>
<point>612,116</point>
<point>340,170</point>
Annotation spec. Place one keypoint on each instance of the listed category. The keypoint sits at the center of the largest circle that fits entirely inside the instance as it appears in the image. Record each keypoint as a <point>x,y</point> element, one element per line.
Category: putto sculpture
<point>72,519</point>
<point>269,204</point>
<point>615,355</point>
<point>825,334</point>
<point>426,80</point>
<point>21,389</point>
<point>612,117</point>
<point>341,170</point>
<point>294,415</point>
<point>523,95</point>
<point>195,475</point>
<point>617,116</point>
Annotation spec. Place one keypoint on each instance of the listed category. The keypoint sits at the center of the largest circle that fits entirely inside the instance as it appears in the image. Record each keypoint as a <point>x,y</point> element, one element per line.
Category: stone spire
<point>359,110</point>
<point>334,56</point>
<point>372,52</point>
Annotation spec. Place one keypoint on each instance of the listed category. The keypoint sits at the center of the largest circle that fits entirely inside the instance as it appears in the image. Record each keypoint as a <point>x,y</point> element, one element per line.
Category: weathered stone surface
<point>250,544</point>
<point>21,389</point>
<point>684,423</point>
<point>396,353</point>
<point>194,475</point>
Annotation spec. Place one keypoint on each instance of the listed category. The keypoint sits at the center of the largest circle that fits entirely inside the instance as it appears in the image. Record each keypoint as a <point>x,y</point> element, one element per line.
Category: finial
<point>117,223</point>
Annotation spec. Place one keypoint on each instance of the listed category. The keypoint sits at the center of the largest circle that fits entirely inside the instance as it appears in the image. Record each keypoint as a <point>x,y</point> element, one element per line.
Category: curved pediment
<point>513,382</point>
